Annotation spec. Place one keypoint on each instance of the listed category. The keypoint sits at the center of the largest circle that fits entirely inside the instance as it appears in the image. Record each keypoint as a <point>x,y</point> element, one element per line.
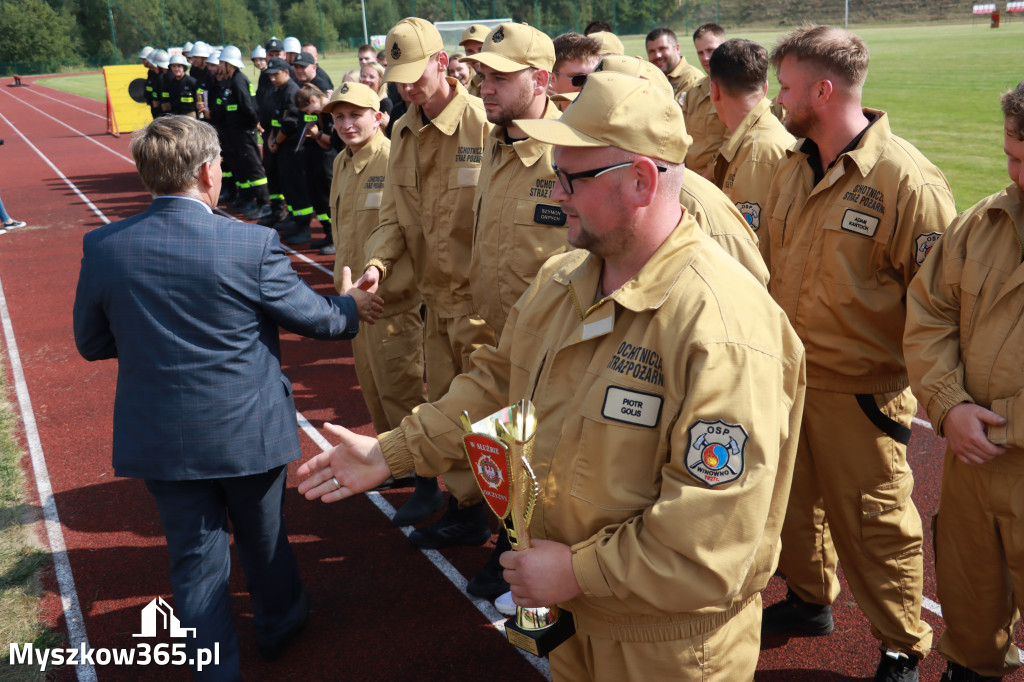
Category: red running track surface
<point>381,608</point>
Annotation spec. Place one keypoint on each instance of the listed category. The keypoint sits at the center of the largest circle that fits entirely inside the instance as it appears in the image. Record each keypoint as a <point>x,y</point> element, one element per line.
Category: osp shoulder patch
<point>715,453</point>
<point>751,212</point>
<point>924,244</point>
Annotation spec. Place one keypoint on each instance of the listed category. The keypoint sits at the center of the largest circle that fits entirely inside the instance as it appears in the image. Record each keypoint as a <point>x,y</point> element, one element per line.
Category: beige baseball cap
<point>475,33</point>
<point>616,110</point>
<point>639,68</point>
<point>514,47</point>
<point>408,47</point>
<point>353,93</point>
<point>610,43</point>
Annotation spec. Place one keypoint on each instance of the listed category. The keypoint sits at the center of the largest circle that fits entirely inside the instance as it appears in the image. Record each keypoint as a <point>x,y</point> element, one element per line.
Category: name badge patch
<point>632,407</point>
<point>859,223</point>
<point>549,215</point>
<point>373,200</point>
<point>715,453</point>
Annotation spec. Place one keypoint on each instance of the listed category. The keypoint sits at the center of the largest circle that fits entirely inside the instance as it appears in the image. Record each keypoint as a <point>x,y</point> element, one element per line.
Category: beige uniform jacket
<point>965,331</point>
<point>356,193</point>
<point>842,253</point>
<point>704,126</point>
<point>631,392</point>
<point>720,220</point>
<point>518,226</point>
<point>747,161</point>
<point>474,84</point>
<point>427,206</point>
<point>682,78</point>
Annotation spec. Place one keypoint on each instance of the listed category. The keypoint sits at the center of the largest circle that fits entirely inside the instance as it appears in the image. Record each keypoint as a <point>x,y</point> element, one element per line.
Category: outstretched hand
<point>369,304</point>
<point>354,465</point>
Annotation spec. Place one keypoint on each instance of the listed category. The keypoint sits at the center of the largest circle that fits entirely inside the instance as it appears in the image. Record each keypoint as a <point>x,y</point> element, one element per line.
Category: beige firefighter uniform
<point>704,126</point>
<point>388,354</point>
<point>427,212</point>
<point>747,161</point>
<point>720,220</point>
<point>518,226</point>
<point>963,344</point>
<point>841,254</point>
<point>682,78</point>
<point>474,84</point>
<point>663,452</point>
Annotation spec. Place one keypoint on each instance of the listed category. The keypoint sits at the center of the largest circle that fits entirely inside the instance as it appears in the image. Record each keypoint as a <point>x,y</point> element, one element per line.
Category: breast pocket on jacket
<point>539,232</point>
<point>854,247</point>
<point>622,446</point>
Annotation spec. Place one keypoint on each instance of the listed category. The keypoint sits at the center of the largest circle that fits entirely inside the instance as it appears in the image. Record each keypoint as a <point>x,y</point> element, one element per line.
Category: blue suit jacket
<point>189,303</point>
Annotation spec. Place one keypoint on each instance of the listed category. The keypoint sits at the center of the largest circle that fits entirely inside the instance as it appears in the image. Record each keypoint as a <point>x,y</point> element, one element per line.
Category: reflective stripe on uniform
<point>310,118</point>
<point>257,183</point>
<point>232,107</point>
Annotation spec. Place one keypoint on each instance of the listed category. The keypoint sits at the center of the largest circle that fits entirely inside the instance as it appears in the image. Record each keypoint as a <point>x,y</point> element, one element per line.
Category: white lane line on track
<point>56,170</point>
<point>62,102</point>
<point>74,130</point>
<point>922,422</point>
<point>435,557</point>
<point>54,531</point>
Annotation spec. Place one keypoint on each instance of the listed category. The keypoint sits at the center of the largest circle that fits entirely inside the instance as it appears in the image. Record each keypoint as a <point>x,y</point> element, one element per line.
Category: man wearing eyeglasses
<point>663,481</point>
<point>518,226</point>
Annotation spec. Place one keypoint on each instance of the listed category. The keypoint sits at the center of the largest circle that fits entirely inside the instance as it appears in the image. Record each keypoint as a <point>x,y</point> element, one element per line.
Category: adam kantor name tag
<point>859,223</point>
<point>632,407</point>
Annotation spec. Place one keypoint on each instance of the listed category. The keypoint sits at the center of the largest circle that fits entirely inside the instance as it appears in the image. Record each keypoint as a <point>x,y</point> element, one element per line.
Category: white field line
<point>74,130</point>
<point>54,530</point>
<point>35,90</point>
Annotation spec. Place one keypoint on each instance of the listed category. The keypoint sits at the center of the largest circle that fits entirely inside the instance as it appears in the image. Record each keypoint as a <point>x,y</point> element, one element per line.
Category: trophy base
<point>540,642</point>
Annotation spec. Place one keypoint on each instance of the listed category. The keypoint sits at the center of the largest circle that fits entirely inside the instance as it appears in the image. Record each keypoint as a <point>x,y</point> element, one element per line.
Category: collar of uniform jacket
<point>1010,202</point>
<point>359,160</point>
<point>872,143</point>
<point>732,145</point>
<point>529,149</point>
<point>649,288</point>
<point>450,117</point>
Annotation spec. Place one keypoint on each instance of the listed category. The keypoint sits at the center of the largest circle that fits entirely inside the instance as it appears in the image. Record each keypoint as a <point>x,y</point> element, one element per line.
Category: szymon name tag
<point>632,407</point>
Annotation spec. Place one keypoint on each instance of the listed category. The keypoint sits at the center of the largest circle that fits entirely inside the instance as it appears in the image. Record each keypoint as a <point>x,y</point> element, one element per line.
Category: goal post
<point>451,31</point>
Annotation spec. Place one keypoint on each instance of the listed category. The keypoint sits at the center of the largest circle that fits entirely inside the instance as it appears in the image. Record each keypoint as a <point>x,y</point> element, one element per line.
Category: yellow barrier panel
<point>124,113</point>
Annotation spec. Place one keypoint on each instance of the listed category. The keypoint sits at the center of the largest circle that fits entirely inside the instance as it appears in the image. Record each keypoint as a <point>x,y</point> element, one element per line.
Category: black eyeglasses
<point>566,179</point>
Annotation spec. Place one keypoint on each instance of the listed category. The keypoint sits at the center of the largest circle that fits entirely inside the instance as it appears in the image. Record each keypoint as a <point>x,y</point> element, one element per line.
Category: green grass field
<point>940,85</point>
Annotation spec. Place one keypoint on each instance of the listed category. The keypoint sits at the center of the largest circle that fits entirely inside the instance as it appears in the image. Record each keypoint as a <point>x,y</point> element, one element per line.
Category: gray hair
<point>170,151</point>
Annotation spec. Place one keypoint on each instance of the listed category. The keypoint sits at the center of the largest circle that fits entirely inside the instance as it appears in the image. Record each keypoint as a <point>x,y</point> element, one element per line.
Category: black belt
<point>898,432</point>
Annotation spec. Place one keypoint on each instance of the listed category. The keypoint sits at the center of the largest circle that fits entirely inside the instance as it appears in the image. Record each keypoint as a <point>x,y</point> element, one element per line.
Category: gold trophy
<point>500,449</point>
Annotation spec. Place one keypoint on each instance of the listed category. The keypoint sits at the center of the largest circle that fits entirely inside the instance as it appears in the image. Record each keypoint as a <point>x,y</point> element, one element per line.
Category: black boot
<point>466,526</point>
<point>896,666</point>
<point>489,582</point>
<point>958,673</point>
<point>425,500</point>
<point>794,615</point>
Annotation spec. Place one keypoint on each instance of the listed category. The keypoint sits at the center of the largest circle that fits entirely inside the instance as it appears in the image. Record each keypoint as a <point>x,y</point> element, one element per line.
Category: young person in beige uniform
<point>851,214</point>
<point>713,211</point>
<point>575,56</point>
<point>663,51</point>
<point>518,226</point>
<point>963,344</point>
<point>748,157</point>
<point>706,129</point>
<point>631,498</point>
<point>389,354</point>
<point>427,212</point>
<point>472,41</point>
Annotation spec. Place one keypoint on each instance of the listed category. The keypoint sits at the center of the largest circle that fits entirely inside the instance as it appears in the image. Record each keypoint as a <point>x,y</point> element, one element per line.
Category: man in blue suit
<point>190,303</point>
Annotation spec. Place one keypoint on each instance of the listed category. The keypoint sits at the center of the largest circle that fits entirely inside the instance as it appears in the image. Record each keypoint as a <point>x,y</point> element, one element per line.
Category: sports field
<point>382,609</point>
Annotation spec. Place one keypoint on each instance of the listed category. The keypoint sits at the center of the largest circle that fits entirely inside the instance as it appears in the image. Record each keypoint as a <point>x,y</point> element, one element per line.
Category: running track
<point>382,609</point>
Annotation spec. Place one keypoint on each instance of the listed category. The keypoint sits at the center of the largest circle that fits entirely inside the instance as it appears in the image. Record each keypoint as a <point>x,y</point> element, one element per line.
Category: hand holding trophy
<point>500,451</point>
